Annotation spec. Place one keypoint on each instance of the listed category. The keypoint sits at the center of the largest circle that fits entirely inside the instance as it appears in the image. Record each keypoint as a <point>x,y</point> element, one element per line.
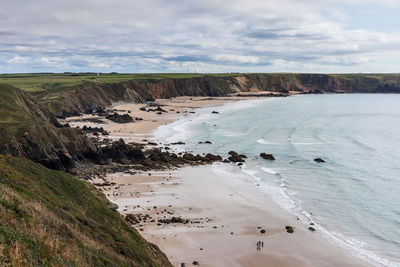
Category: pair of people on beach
<point>260,244</point>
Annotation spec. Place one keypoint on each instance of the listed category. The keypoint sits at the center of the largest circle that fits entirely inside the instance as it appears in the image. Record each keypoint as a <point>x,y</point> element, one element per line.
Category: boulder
<point>119,118</point>
<point>289,229</point>
<point>267,156</point>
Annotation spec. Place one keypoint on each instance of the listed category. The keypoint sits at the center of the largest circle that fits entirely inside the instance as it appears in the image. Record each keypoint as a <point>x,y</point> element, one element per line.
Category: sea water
<point>353,198</point>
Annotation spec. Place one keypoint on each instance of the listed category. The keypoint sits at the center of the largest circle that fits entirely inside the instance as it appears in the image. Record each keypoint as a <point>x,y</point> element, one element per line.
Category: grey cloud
<point>156,35</point>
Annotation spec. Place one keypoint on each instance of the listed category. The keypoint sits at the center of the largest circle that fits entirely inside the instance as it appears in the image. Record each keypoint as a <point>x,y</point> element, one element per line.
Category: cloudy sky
<point>202,35</point>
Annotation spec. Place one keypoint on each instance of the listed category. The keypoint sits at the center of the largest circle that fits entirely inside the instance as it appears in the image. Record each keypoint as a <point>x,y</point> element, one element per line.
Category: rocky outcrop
<point>319,160</point>
<point>235,157</point>
<point>267,156</point>
<point>115,117</point>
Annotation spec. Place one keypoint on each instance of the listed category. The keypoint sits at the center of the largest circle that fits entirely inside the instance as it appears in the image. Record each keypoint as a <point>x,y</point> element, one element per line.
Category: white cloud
<point>19,60</point>
<point>157,35</point>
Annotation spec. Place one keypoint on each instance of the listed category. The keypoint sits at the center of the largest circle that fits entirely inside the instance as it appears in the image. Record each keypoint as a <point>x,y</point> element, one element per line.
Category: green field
<point>48,81</point>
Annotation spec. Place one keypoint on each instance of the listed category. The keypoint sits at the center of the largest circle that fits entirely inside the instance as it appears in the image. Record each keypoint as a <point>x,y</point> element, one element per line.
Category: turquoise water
<point>354,198</point>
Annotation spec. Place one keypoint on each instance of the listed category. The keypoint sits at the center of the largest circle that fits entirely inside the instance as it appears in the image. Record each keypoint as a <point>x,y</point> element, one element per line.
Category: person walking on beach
<point>262,243</point>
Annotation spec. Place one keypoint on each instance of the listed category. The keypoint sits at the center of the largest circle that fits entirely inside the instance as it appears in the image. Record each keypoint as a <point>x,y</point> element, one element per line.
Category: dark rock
<point>215,112</point>
<point>319,160</point>
<point>235,157</point>
<point>151,143</point>
<point>195,263</point>
<point>178,143</point>
<point>119,118</point>
<point>311,228</point>
<point>289,229</point>
<point>262,231</point>
<point>212,157</point>
<point>174,220</point>
<point>267,156</point>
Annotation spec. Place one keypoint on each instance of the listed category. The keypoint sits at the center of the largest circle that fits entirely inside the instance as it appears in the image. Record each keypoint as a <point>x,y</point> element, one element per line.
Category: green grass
<point>36,82</point>
<point>49,218</point>
<point>16,113</point>
<point>49,81</point>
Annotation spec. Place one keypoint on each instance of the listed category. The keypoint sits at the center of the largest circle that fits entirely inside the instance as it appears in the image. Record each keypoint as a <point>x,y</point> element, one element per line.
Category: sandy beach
<point>221,217</point>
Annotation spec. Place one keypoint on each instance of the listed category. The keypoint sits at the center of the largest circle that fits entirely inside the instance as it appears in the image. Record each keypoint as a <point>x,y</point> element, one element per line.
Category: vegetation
<point>18,113</point>
<point>49,218</point>
<point>50,81</point>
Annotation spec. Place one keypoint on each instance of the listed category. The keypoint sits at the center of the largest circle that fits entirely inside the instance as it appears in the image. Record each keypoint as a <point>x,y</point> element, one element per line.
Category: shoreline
<point>168,193</point>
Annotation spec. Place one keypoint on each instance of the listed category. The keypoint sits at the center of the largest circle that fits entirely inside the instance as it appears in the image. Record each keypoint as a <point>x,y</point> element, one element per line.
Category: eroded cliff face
<point>72,101</point>
<point>29,130</point>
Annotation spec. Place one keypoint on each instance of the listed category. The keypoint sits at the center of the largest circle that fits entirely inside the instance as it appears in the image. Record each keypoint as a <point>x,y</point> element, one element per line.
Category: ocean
<point>353,198</point>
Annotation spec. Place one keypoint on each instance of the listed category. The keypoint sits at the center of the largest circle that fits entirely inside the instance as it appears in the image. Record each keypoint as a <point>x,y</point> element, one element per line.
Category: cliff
<point>49,218</point>
<point>29,130</point>
<point>90,95</point>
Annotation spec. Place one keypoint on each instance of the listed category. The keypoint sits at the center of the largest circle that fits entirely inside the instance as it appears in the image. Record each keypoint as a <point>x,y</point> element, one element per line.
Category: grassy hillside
<point>49,218</point>
<point>19,113</point>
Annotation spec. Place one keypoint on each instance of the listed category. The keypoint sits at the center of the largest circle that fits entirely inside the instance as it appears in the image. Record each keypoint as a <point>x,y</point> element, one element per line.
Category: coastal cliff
<point>29,130</point>
<point>74,100</point>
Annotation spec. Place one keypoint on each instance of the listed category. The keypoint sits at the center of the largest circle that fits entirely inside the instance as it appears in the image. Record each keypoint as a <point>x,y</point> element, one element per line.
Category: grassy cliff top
<point>49,218</point>
<point>47,81</point>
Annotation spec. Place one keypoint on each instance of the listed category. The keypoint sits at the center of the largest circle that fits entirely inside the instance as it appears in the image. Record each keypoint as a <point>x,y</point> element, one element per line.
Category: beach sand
<point>229,220</point>
<point>226,213</point>
<point>139,130</point>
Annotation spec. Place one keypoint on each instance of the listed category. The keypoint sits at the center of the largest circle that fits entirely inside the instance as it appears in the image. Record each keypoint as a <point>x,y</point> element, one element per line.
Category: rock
<point>289,229</point>
<point>174,220</point>
<point>151,143</point>
<point>262,231</point>
<point>119,118</point>
<point>235,157</point>
<point>112,206</point>
<point>212,157</point>
<point>195,263</point>
<point>319,160</point>
<point>267,156</point>
<point>215,112</point>
<point>178,143</point>
<point>232,153</point>
<point>312,229</point>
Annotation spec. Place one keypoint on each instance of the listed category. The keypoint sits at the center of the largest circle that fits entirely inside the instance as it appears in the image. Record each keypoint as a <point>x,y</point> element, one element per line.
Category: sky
<point>131,36</point>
